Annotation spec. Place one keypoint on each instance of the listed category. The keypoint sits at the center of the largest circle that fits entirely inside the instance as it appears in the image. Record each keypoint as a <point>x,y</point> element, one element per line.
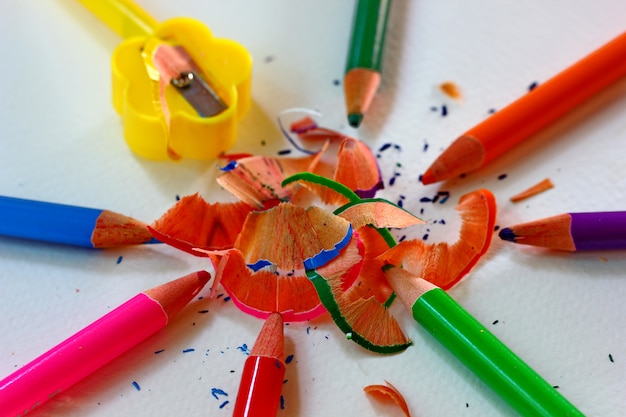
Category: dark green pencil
<point>363,68</point>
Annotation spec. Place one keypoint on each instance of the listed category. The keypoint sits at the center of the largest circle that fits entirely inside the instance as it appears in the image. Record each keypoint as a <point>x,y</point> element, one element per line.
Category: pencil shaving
<point>538,188</point>
<point>388,393</point>
<point>445,264</point>
<point>451,90</point>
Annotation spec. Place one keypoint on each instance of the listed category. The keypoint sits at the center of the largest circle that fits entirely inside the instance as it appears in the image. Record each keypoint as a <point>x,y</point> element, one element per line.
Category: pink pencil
<point>95,345</point>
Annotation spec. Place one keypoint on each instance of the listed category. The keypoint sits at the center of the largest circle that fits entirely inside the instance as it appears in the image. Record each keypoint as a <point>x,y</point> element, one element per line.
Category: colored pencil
<point>97,344</point>
<point>70,225</point>
<point>478,349</point>
<point>538,108</point>
<point>364,63</point>
<point>572,231</point>
<point>263,373</point>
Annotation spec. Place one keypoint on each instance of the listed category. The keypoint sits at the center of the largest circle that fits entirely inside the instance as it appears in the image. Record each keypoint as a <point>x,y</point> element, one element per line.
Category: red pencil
<point>263,373</point>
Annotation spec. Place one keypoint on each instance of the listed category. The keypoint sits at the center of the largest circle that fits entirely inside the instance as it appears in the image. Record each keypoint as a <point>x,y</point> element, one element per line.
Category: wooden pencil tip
<point>428,177</point>
<point>464,155</point>
<point>507,234</point>
<point>408,286</point>
<point>355,119</point>
<point>271,339</point>
<point>173,296</point>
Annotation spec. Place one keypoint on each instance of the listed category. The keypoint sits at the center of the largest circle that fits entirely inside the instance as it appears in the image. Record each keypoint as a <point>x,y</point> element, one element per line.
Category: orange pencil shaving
<point>532,112</point>
<point>451,90</point>
<point>540,187</point>
<point>388,392</point>
<point>263,373</point>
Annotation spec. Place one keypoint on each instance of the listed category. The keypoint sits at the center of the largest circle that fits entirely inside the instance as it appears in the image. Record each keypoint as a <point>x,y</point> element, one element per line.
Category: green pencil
<point>363,67</point>
<point>494,363</point>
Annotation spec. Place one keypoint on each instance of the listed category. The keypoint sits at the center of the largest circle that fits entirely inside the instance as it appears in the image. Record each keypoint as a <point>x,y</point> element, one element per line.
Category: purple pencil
<point>572,231</point>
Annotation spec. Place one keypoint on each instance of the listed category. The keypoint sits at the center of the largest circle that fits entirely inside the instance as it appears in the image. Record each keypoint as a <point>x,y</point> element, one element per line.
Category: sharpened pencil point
<point>355,119</point>
<point>270,341</point>
<point>428,178</point>
<point>507,234</point>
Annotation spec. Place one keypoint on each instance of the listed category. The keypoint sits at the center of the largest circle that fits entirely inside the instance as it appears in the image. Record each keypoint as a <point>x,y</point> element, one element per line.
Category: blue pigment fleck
<point>216,392</point>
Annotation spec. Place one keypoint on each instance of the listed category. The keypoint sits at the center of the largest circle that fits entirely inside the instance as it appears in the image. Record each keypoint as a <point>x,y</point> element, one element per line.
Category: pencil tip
<point>173,296</point>
<point>428,177</point>
<point>507,234</point>
<point>355,119</point>
<point>270,341</point>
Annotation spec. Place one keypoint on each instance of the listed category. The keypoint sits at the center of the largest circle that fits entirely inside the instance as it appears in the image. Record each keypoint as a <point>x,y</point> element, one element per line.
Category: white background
<point>61,141</point>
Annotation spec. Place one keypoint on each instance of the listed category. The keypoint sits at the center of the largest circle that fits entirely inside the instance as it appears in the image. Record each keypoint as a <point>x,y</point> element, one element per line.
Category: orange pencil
<point>532,112</point>
<point>263,373</point>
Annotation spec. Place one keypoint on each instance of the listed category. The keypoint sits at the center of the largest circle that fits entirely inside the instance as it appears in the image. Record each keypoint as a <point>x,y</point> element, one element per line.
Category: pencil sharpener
<point>226,66</point>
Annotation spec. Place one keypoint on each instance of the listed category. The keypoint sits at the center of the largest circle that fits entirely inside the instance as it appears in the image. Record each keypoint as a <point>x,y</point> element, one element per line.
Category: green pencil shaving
<point>475,346</point>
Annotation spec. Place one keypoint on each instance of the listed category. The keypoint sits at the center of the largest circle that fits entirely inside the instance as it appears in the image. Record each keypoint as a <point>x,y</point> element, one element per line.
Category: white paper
<point>62,141</point>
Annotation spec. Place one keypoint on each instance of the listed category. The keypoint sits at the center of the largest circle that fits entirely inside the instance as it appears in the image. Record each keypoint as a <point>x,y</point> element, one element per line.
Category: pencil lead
<point>355,119</point>
<point>507,234</point>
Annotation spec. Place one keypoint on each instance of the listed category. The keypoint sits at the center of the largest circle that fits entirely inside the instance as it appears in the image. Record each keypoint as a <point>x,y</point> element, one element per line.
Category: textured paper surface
<point>61,141</point>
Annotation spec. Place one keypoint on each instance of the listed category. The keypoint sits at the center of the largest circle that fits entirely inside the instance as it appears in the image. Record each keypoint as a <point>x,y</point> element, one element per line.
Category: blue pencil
<point>70,225</point>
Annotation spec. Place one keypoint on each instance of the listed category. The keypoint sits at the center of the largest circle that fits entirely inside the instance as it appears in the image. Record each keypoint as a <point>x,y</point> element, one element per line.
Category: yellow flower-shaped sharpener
<point>159,121</point>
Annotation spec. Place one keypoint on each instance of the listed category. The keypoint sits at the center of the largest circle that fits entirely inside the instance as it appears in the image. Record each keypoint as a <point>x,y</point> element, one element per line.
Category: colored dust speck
<point>384,147</point>
<point>119,259</point>
<point>177,197</point>
<point>189,350</point>
<point>444,196</point>
<point>216,392</point>
<point>533,85</point>
<point>222,405</point>
<point>244,348</point>
<point>136,385</point>
<point>289,358</point>
<point>159,351</point>
<point>282,402</point>
<point>226,299</point>
<point>336,81</point>
<point>444,110</point>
